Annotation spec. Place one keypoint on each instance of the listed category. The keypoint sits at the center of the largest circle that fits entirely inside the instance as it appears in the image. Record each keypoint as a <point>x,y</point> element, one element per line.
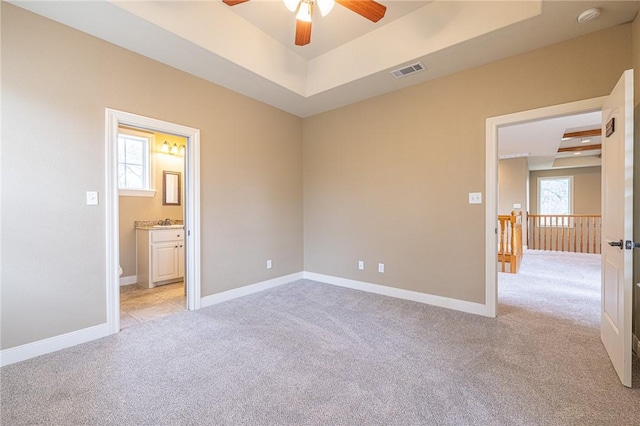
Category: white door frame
<point>491,196</point>
<point>113,119</point>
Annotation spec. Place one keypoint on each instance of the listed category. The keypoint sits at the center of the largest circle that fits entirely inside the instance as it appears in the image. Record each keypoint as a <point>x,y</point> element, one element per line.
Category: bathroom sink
<point>169,226</point>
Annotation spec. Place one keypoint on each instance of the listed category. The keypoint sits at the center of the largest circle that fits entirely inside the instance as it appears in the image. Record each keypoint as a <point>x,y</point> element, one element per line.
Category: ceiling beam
<point>581,148</point>
<point>582,134</point>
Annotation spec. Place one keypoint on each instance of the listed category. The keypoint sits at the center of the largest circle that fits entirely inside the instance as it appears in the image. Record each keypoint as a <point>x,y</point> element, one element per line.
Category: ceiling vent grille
<point>405,71</point>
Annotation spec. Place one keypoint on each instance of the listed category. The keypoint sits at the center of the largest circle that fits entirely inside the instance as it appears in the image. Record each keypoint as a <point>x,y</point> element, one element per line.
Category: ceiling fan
<point>369,9</point>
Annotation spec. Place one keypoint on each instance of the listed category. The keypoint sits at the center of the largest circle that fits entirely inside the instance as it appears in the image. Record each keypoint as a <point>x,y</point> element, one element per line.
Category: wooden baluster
<point>563,224</point>
<point>528,231</point>
<point>581,235</point>
<point>595,249</point>
<point>575,234</point>
<point>538,246</point>
<point>588,237</point>
<point>502,245</point>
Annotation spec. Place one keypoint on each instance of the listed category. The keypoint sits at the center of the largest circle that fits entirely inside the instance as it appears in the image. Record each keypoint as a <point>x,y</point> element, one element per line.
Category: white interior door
<point>617,225</point>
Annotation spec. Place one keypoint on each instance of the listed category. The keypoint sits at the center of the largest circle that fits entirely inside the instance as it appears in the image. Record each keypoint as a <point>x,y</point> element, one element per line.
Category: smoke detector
<point>589,15</point>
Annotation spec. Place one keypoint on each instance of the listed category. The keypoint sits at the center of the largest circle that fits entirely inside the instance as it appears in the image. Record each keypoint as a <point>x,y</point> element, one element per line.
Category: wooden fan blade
<point>303,33</point>
<point>372,10</point>
<point>233,2</point>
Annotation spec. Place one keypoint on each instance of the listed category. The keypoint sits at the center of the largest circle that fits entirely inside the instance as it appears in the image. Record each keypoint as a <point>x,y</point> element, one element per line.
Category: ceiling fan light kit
<point>325,6</point>
<point>292,5</point>
<point>369,9</point>
<point>304,11</point>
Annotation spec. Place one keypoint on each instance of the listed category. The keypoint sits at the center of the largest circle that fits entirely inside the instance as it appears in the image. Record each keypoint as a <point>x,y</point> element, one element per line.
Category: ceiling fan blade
<point>233,2</point>
<point>303,32</point>
<point>372,10</point>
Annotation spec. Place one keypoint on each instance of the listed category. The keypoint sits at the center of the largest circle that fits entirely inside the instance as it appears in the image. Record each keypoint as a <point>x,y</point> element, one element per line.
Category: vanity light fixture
<point>172,149</point>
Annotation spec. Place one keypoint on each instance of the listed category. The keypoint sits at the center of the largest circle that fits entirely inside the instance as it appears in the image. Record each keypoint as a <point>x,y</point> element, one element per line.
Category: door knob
<point>616,244</point>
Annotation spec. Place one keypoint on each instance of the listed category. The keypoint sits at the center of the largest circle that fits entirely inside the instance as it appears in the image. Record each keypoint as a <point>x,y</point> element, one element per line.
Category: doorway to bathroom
<point>151,224</point>
<point>152,203</point>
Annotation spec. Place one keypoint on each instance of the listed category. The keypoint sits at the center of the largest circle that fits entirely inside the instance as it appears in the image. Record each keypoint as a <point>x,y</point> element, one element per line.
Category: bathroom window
<point>135,167</point>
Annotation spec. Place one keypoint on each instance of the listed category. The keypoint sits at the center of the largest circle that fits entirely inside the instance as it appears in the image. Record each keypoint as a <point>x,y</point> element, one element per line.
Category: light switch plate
<point>92,198</point>
<point>517,206</point>
<point>475,198</point>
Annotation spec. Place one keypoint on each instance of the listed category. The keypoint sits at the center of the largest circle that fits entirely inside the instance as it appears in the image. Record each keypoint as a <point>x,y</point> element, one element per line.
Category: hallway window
<point>555,198</point>
<point>135,171</point>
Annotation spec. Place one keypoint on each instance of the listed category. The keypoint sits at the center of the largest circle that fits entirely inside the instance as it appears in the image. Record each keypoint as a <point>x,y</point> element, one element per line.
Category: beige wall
<point>56,84</point>
<point>636,208</point>
<point>586,188</point>
<point>513,175</point>
<point>387,179</point>
<point>513,181</point>
<point>149,208</point>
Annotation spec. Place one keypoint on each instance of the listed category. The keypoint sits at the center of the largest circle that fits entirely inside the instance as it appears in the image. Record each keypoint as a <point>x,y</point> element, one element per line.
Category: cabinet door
<point>165,261</point>
<point>180,259</point>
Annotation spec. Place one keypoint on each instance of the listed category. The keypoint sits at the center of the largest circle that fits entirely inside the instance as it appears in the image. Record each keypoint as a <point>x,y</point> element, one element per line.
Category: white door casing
<point>617,226</point>
<point>491,209</point>
<point>114,118</point>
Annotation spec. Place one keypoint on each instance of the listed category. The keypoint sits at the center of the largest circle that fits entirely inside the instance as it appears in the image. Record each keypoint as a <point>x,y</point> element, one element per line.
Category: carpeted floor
<point>309,353</point>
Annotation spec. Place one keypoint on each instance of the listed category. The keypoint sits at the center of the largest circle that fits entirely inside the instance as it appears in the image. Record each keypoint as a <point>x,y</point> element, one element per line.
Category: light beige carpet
<point>308,353</point>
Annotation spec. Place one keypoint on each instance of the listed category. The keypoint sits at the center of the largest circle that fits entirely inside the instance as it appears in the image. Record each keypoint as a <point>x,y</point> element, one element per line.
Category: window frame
<point>150,191</point>
<point>567,222</point>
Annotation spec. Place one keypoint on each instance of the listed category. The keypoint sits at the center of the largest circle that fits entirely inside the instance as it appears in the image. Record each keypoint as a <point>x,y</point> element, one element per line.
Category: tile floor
<point>139,304</point>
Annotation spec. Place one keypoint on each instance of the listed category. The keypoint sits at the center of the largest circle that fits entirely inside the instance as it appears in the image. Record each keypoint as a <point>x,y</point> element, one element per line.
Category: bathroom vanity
<point>160,255</point>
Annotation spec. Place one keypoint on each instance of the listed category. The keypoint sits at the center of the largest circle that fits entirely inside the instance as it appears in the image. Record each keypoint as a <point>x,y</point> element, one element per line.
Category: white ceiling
<point>249,48</point>
<point>329,32</point>
<point>540,140</point>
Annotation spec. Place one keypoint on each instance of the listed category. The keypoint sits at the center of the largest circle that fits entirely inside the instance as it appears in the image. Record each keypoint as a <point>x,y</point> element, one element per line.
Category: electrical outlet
<point>361,265</point>
<point>269,264</point>
<point>381,267</point>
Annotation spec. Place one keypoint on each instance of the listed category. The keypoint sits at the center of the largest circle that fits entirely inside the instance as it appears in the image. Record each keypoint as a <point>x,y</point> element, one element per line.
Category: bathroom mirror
<point>170,188</point>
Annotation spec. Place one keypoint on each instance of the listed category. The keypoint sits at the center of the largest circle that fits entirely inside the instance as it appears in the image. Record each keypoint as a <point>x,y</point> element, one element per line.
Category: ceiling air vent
<point>405,71</point>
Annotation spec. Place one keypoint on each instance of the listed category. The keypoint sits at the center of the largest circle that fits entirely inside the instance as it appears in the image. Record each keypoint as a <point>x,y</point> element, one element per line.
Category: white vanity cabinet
<point>160,256</point>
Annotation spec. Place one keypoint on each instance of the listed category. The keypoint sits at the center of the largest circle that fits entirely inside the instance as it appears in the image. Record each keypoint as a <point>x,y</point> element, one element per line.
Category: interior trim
<point>491,179</point>
<point>248,289</point>
<point>113,119</point>
<point>399,293</point>
<point>52,344</point>
<point>131,279</point>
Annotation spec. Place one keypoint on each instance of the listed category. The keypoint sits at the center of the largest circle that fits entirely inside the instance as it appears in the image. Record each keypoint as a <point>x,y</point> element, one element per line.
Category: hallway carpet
<point>308,353</point>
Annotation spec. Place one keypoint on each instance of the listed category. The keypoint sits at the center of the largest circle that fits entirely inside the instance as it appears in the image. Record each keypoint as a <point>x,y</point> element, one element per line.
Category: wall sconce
<point>173,150</point>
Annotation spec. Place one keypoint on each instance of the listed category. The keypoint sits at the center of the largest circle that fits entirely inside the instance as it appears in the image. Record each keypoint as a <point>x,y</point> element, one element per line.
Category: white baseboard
<point>248,289</point>
<point>131,279</point>
<point>636,345</point>
<point>429,299</point>
<point>52,344</point>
